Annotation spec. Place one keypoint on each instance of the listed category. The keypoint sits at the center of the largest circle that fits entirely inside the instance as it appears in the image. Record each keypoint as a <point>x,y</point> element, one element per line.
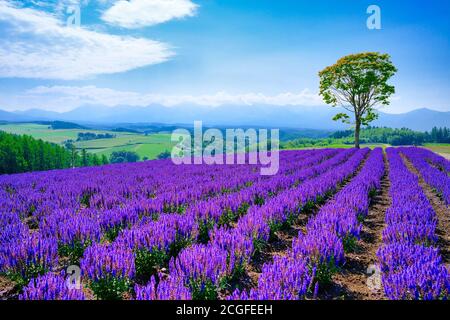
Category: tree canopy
<point>22,153</point>
<point>358,83</point>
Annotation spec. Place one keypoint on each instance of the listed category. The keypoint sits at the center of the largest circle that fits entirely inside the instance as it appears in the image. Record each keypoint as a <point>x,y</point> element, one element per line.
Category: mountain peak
<point>427,110</point>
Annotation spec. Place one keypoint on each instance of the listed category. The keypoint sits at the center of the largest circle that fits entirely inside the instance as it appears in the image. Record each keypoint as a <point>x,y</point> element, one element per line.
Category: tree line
<point>394,137</point>
<point>401,136</point>
<point>86,136</point>
<point>23,153</point>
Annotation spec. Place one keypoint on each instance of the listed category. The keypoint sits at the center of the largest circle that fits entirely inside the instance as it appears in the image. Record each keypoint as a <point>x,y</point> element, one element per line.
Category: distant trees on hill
<point>86,136</point>
<point>391,136</point>
<point>401,136</point>
<point>22,153</point>
<point>84,159</point>
<point>65,125</point>
<point>164,155</point>
<point>56,125</point>
<point>395,137</point>
<point>439,135</point>
<point>124,156</point>
<point>126,130</point>
<point>91,159</point>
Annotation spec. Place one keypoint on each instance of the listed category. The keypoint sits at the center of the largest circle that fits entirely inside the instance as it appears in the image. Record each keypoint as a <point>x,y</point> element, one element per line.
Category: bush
<point>124,156</point>
<point>164,155</point>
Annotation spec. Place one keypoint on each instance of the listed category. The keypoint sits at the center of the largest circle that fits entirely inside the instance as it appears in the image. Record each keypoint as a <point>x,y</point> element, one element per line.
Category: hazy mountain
<point>232,115</point>
<point>420,119</point>
<point>38,114</point>
<point>14,117</point>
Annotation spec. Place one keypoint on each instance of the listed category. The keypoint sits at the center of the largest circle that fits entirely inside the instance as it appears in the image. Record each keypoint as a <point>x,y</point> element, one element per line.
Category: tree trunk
<point>357,130</point>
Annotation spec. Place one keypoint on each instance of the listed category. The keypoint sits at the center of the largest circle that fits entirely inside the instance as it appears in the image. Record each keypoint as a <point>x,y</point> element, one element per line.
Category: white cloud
<point>35,44</point>
<point>63,98</point>
<point>141,13</point>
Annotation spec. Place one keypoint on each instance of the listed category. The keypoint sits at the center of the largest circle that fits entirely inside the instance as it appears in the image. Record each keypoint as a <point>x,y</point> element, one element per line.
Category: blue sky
<point>211,52</point>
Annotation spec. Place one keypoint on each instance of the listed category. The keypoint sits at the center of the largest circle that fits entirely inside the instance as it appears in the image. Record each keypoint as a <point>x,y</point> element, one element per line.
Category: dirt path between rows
<point>442,214</point>
<point>6,288</point>
<point>351,283</point>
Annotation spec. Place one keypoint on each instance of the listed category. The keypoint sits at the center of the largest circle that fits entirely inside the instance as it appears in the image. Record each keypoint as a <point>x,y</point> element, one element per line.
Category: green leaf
<point>342,117</point>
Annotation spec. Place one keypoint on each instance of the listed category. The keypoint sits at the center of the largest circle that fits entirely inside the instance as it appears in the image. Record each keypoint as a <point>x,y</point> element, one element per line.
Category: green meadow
<point>149,146</point>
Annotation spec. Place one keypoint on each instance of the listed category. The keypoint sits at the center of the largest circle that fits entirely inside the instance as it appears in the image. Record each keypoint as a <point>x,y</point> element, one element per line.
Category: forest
<point>23,153</point>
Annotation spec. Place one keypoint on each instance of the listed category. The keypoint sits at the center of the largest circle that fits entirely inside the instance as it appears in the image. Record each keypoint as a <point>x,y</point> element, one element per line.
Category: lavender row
<point>228,207</point>
<point>63,230</point>
<point>155,242</point>
<point>59,215</point>
<point>206,270</point>
<point>436,159</point>
<point>316,255</point>
<point>82,224</point>
<point>410,263</point>
<point>437,179</point>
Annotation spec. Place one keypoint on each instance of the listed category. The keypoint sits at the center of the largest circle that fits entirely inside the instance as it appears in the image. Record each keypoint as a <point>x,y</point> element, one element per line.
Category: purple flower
<point>102,261</point>
<point>170,288</point>
<point>202,263</point>
<point>33,250</point>
<point>50,287</point>
<point>413,272</point>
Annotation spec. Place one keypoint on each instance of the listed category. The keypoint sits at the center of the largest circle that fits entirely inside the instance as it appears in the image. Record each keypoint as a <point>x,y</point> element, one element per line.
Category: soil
<point>351,282</point>
<point>6,288</point>
<point>442,214</point>
<point>445,155</point>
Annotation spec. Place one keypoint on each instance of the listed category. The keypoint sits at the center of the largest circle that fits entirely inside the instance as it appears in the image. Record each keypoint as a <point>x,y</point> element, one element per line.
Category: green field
<point>441,148</point>
<point>145,146</point>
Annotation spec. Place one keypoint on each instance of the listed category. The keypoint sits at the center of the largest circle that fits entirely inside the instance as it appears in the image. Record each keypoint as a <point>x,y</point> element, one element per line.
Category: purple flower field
<point>159,231</point>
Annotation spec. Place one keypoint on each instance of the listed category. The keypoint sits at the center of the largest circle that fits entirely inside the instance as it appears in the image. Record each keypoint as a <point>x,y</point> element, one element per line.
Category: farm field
<point>158,231</point>
<point>145,146</point>
<point>441,148</point>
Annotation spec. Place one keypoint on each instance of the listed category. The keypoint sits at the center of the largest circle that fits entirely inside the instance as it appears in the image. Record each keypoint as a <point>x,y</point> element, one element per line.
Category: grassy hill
<point>145,145</point>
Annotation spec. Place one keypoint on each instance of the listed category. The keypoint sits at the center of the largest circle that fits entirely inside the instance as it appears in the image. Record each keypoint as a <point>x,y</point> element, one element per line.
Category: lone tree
<point>358,83</point>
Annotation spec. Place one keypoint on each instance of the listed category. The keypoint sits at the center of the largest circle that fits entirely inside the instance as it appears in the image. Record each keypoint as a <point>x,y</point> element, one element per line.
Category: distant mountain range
<point>232,115</point>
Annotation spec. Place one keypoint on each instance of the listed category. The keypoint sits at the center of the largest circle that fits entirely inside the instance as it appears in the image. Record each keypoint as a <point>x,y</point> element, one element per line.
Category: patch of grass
<point>148,261</point>
<point>22,278</point>
<point>110,288</point>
